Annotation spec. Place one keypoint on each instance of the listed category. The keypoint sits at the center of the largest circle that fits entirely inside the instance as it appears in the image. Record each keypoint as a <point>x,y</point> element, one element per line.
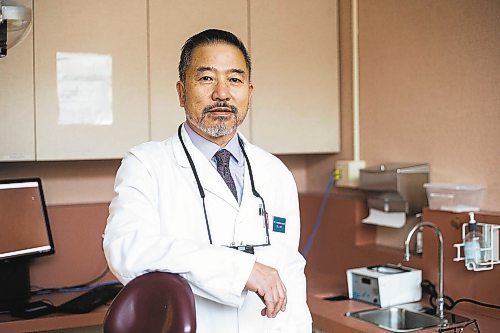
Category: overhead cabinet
<point>171,24</point>
<point>91,78</point>
<point>98,77</point>
<point>294,48</point>
<point>17,112</point>
<point>295,104</point>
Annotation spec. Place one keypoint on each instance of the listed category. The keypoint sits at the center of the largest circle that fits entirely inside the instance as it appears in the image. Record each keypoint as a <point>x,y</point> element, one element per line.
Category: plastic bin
<point>454,197</point>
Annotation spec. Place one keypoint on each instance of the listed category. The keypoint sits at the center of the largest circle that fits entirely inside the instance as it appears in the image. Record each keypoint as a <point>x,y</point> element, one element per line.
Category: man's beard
<point>218,129</point>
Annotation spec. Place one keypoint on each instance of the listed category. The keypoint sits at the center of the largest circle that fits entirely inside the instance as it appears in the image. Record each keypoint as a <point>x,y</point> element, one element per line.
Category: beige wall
<point>68,182</point>
<point>430,88</point>
<point>429,92</point>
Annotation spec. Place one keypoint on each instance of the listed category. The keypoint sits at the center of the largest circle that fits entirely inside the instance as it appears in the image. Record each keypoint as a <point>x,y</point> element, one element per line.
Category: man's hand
<point>266,282</point>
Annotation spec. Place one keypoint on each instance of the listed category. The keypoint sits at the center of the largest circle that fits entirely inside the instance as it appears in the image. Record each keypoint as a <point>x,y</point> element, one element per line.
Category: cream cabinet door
<point>294,48</point>
<point>90,63</point>
<point>17,113</point>
<point>172,22</point>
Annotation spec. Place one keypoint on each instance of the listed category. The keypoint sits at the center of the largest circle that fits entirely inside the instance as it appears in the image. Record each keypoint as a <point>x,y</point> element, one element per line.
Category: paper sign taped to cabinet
<point>84,88</point>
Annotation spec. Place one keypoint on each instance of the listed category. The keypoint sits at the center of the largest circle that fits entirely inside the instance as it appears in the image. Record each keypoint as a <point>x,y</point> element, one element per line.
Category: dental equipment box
<point>385,285</point>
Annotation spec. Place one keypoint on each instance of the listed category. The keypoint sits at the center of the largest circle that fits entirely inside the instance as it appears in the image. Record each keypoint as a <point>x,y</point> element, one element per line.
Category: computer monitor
<point>24,234</point>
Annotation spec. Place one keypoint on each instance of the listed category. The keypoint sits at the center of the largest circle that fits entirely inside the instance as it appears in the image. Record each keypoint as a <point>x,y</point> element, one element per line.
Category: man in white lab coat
<point>238,246</point>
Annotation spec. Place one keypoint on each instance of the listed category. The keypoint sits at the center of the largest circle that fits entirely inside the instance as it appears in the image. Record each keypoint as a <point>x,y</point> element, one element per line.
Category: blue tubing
<point>310,240</point>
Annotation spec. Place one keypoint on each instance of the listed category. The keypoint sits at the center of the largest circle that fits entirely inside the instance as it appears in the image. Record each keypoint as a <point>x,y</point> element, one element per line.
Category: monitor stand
<point>14,284</point>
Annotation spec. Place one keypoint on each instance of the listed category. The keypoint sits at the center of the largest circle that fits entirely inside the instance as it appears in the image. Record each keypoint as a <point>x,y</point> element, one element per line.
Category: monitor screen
<point>24,223</point>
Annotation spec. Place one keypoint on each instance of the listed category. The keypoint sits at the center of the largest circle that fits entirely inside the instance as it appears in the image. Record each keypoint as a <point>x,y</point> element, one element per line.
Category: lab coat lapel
<point>252,229</point>
<point>247,207</point>
<point>248,202</point>
<point>210,179</point>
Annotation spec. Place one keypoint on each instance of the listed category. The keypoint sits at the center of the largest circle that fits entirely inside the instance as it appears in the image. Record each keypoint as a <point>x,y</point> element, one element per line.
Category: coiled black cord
<point>429,288</point>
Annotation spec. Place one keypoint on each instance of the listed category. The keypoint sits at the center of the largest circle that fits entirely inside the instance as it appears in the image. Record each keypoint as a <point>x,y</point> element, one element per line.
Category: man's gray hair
<point>210,36</point>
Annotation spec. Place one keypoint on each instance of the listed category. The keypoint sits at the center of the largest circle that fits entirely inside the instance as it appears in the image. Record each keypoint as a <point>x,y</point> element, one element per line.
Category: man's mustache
<point>221,105</point>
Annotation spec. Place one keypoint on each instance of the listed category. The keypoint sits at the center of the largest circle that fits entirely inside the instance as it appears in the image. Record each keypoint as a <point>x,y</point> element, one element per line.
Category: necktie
<point>222,157</point>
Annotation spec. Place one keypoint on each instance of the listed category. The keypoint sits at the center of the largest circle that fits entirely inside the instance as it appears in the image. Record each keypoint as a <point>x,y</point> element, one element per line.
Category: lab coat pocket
<point>275,254</point>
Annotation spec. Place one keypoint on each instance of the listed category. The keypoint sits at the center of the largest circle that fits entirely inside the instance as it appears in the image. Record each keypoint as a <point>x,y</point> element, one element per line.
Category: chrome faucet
<point>440,293</point>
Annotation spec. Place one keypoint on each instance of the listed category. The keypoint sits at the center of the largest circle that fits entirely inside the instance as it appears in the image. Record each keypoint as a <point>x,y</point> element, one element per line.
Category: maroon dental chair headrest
<point>156,302</point>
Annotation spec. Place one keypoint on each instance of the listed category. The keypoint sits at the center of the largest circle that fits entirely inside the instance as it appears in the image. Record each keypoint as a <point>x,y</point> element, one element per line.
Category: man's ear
<point>180,92</point>
<point>250,87</point>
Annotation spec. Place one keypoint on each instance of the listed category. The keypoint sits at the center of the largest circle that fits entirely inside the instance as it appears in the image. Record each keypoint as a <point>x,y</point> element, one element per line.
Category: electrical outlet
<point>348,173</point>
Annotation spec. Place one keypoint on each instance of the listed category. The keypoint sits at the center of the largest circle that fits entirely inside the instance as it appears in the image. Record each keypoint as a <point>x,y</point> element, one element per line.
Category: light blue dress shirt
<point>208,149</point>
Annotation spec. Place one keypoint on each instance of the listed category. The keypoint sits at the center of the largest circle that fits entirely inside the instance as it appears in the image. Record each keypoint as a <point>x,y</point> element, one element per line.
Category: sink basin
<point>396,319</point>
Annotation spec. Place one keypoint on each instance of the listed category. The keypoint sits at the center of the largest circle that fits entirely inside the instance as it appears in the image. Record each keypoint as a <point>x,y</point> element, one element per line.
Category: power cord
<point>79,287</point>
<point>429,288</point>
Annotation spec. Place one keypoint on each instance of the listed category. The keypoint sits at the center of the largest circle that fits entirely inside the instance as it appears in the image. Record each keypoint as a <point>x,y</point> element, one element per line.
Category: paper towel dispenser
<point>395,188</point>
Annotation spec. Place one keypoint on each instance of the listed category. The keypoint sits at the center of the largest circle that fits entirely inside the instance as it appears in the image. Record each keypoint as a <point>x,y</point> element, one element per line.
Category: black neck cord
<point>254,191</point>
<point>202,192</point>
<point>200,188</point>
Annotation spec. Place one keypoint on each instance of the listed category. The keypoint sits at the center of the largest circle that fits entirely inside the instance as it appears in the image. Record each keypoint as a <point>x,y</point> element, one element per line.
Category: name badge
<point>279,224</point>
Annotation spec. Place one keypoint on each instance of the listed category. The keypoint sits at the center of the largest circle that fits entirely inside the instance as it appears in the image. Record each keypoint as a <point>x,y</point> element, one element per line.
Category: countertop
<point>55,321</point>
<point>329,316</point>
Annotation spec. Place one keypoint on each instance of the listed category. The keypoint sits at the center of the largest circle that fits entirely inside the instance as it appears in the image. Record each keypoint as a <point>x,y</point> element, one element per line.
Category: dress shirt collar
<point>208,148</point>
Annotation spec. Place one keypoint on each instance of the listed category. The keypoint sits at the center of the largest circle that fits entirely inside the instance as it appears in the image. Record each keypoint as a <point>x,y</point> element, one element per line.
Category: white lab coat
<point>156,223</point>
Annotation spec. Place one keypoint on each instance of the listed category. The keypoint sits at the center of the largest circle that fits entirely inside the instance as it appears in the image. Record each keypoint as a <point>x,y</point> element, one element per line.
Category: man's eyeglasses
<point>470,326</point>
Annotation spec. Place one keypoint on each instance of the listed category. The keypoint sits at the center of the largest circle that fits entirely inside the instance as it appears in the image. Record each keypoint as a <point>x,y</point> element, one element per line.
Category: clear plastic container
<point>454,197</point>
